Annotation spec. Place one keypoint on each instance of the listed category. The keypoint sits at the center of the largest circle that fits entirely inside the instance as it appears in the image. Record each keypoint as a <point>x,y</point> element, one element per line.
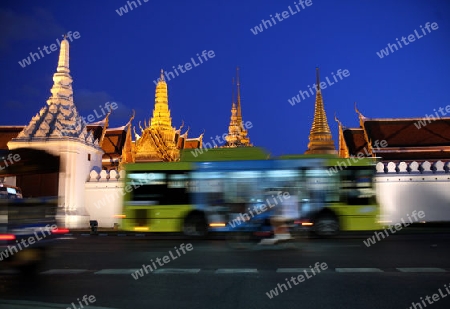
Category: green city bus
<point>207,194</point>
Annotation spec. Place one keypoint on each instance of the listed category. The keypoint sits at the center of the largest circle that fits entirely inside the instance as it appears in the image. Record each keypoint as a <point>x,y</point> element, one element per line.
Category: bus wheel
<point>326,226</point>
<point>195,226</point>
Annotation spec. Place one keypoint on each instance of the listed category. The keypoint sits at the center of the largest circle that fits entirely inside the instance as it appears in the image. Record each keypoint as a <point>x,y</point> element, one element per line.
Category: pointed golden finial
<point>359,113</point>
<point>161,77</point>
<point>132,117</point>
<point>182,125</point>
<point>239,111</point>
<point>105,127</point>
<point>360,116</point>
<point>232,91</point>
<point>317,79</point>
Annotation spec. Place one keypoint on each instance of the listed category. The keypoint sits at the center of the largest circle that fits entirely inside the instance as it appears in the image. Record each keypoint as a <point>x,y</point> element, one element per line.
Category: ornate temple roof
<point>59,118</point>
<point>407,139</point>
<point>404,132</point>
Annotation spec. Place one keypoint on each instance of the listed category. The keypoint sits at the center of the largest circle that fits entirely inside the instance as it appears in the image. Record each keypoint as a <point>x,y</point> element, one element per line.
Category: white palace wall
<point>402,188</point>
<point>103,197</point>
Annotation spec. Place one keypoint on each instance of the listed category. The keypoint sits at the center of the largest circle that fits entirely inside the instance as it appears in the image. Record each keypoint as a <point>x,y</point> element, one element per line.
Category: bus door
<point>319,191</point>
<point>161,204</point>
<point>358,199</point>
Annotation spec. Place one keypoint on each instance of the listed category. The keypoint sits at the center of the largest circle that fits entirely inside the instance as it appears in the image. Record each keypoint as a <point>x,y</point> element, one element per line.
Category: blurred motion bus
<point>213,196</point>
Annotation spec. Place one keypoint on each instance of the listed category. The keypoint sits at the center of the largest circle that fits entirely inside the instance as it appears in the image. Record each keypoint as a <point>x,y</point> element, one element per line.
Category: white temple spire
<point>63,62</point>
<point>59,119</point>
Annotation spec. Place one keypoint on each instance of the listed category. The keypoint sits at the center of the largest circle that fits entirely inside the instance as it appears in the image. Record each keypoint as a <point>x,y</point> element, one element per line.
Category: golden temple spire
<point>159,139</point>
<point>161,113</point>
<point>237,135</point>
<point>320,139</point>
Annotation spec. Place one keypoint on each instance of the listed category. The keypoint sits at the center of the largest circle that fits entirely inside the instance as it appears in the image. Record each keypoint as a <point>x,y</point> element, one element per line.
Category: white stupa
<point>60,130</point>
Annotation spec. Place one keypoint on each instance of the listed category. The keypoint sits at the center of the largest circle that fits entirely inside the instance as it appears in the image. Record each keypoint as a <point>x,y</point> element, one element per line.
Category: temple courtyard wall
<point>104,197</point>
<point>404,188</point>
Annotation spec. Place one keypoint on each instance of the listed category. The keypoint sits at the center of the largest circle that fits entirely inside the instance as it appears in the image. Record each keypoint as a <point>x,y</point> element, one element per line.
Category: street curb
<point>24,304</point>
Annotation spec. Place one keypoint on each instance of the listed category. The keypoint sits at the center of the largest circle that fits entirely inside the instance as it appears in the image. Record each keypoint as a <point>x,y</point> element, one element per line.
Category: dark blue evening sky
<point>116,58</point>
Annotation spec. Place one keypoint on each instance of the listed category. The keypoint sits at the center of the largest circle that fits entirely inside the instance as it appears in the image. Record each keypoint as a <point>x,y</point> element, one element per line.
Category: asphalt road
<point>392,273</point>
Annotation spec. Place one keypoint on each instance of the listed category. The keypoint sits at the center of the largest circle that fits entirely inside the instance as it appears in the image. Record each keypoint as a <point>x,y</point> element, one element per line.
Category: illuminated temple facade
<point>158,141</point>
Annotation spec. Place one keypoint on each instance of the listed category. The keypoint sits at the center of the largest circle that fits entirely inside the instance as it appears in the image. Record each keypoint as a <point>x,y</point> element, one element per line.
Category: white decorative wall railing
<point>414,167</point>
<point>105,175</point>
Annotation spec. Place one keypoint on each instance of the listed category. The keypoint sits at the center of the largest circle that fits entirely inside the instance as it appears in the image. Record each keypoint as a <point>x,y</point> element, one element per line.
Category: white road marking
<point>37,304</point>
<point>64,271</point>
<point>236,270</point>
<point>293,270</point>
<point>126,271</point>
<point>358,270</point>
<point>177,271</point>
<point>421,270</point>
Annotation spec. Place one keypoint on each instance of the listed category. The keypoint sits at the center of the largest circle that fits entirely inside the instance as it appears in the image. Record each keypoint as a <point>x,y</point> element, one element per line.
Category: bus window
<point>152,191</point>
<point>357,187</point>
<point>242,187</point>
<point>177,191</point>
<point>320,186</point>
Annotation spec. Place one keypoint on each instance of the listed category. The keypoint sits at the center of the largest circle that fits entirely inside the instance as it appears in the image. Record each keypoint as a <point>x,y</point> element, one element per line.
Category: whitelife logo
<point>53,47</point>
<point>398,226</point>
<point>27,242</point>
<point>188,66</point>
<point>340,73</point>
<point>411,38</point>
<point>243,217</point>
<point>165,260</point>
<point>12,158</point>
<point>422,123</point>
<point>207,145</point>
<point>124,9</point>
<point>300,278</point>
<point>285,15</point>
